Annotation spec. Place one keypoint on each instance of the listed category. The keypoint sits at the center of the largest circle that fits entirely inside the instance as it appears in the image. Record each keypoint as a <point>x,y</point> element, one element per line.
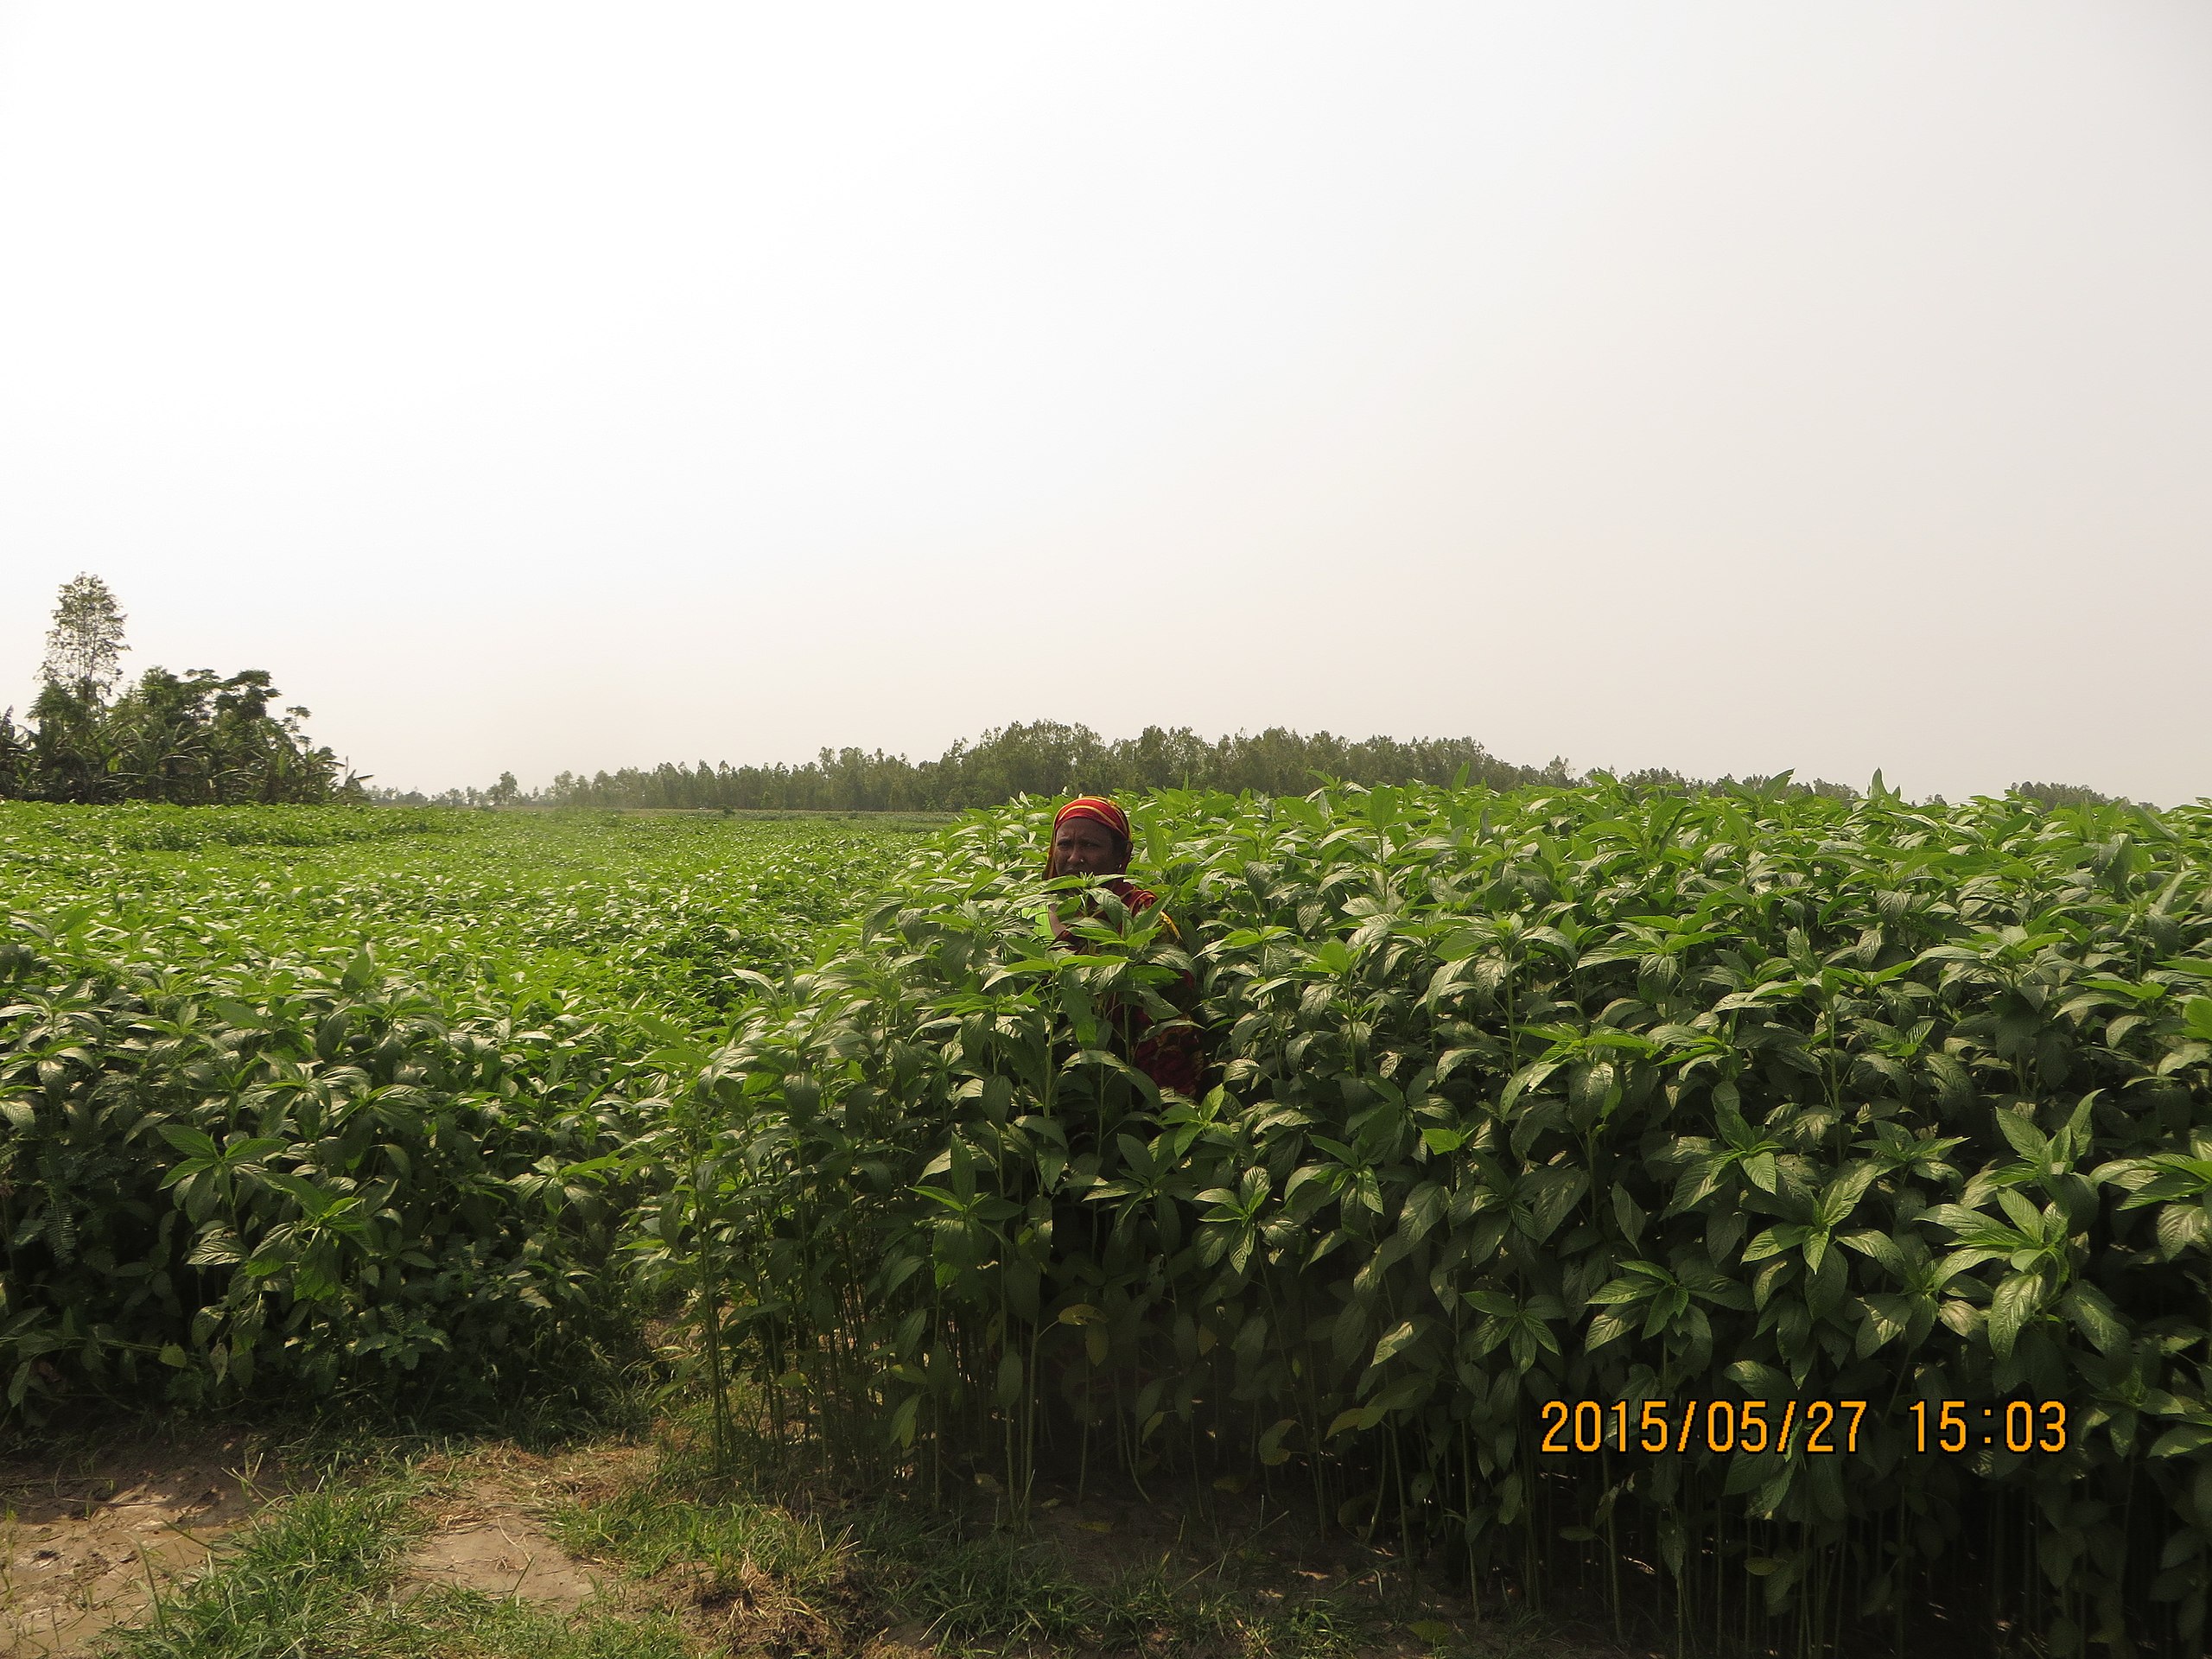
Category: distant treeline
<point>1045,758</point>
<point>197,739</point>
<point>192,740</point>
<point>1032,757</point>
<point>1049,758</point>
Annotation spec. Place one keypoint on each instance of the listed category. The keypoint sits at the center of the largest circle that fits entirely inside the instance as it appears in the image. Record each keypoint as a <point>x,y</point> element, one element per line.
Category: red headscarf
<point>1097,807</point>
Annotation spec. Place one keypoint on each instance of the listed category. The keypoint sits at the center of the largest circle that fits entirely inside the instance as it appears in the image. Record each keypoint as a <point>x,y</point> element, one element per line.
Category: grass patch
<point>713,1567</point>
<point>289,1582</point>
<point>319,1576</point>
<point>766,1578</point>
<point>464,1624</point>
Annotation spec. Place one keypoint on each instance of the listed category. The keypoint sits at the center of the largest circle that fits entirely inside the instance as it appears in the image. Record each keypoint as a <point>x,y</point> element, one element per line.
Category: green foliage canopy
<point>1590,1093</point>
<point>192,740</point>
<point>291,1097</point>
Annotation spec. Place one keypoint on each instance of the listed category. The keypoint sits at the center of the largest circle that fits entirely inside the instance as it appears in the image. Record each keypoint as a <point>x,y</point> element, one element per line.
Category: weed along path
<point>861,1575</point>
<point>88,1536</point>
<point>180,1549</point>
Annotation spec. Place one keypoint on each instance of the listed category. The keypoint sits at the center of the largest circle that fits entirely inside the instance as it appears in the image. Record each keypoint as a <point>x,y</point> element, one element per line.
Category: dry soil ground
<point>88,1534</point>
<point>84,1534</point>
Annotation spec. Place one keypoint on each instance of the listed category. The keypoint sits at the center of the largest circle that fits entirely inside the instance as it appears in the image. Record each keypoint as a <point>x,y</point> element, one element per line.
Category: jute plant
<point>1577,1095</point>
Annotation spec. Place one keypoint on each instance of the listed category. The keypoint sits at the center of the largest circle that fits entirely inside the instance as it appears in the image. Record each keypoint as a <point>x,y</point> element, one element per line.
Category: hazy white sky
<point>1721,386</point>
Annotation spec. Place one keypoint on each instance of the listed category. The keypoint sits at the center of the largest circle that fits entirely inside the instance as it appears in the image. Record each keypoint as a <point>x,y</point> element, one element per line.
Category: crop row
<point>287,1096</point>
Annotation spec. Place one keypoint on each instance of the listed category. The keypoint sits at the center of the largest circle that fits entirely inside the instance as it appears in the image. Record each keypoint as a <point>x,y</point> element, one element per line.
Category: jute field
<point>1612,1219</point>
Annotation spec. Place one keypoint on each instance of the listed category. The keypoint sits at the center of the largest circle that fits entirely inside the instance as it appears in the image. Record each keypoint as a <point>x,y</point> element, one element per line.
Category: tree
<point>2050,796</point>
<point>191,739</point>
<point>84,648</point>
<point>18,772</point>
<point>72,747</point>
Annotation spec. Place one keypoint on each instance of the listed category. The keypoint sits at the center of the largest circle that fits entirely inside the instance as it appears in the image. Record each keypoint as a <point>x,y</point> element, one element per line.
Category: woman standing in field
<point>1090,837</point>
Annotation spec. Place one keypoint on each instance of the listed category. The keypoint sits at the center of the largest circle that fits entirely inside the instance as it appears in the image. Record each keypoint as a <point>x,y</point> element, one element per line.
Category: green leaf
<point>2185,1440</point>
<point>195,1143</point>
<point>1759,1380</point>
<point>2096,1318</point>
<point>2016,1302</point>
<point>2026,1140</point>
<point>1396,1341</point>
<point>1424,1209</point>
<point>1628,1213</point>
<point>1610,1326</point>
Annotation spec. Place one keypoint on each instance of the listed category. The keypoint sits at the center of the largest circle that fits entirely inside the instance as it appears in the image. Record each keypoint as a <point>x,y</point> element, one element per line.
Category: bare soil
<point>486,1534</point>
<point>485,1542</point>
<point>84,1536</point>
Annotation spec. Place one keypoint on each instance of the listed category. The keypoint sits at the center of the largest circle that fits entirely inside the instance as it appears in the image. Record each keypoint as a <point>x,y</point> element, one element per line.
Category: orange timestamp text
<point>1814,1427</point>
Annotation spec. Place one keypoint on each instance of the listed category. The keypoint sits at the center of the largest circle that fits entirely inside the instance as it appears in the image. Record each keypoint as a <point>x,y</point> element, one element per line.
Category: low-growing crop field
<point>1753,1223</point>
<point>289,1092</point>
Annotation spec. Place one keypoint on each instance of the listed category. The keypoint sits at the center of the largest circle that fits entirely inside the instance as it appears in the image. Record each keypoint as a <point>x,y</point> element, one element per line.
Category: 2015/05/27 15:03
<point>1817,1427</point>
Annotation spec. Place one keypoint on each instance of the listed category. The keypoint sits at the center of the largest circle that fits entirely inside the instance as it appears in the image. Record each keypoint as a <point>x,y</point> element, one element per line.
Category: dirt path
<point>83,1537</point>
<point>485,1536</point>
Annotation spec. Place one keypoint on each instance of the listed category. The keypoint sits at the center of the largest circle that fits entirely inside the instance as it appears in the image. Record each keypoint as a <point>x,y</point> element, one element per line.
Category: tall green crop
<point>1572,1095</point>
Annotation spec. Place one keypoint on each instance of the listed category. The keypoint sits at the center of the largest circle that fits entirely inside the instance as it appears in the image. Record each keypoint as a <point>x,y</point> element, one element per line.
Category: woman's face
<point>1086,847</point>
